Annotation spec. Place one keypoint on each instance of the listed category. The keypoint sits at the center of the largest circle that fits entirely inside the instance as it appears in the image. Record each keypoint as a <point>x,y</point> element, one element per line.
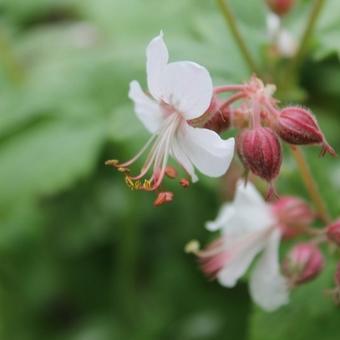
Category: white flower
<point>285,42</point>
<point>248,228</point>
<point>178,92</point>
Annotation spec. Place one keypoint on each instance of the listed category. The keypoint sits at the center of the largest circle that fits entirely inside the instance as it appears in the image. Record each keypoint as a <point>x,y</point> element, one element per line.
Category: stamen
<point>157,158</point>
<point>163,197</point>
<point>170,172</point>
<point>184,182</point>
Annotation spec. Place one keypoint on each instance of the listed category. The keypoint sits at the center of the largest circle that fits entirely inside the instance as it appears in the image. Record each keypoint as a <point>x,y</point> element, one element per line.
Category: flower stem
<point>232,99</point>
<point>310,184</point>
<point>231,21</point>
<point>314,14</point>
<point>228,88</point>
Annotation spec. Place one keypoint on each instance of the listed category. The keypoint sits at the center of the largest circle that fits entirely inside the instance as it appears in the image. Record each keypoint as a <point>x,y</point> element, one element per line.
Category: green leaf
<point>48,157</point>
<point>327,30</point>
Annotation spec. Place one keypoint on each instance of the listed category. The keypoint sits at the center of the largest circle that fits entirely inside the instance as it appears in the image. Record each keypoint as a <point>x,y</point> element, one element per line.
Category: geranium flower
<point>248,227</point>
<point>178,92</point>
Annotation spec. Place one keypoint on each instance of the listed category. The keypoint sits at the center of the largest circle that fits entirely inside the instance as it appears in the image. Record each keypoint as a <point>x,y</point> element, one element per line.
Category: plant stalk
<point>231,21</point>
<point>310,184</point>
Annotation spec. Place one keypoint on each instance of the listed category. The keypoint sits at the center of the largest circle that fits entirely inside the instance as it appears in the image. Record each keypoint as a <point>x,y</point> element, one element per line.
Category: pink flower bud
<point>293,215</point>
<point>333,232</point>
<point>260,151</point>
<point>303,263</point>
<point>280,7</point>
<point>298,126</point>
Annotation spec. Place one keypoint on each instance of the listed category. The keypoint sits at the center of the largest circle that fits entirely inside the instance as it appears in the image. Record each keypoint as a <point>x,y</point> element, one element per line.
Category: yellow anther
<point>112,162</point>
<point>147,185</point>
<point>123,170</point>
<point>129,182</point>
<point>192,247</point>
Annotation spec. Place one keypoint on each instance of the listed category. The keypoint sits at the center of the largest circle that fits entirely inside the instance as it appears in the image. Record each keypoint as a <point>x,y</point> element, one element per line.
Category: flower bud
<point>280,7</point>
<point>298,126</point>
<point>293,215</point>
<point>260,151</point>
<point>220,121</point>
<point>333,232</point>
<point>303,263</point>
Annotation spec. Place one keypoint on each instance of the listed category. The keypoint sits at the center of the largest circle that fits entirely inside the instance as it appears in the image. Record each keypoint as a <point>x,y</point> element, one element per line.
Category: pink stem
<point>232,99</point>
<point>228,88</point>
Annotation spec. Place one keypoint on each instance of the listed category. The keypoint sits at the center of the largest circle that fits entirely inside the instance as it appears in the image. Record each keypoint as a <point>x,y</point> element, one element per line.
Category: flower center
<point>157,157</point>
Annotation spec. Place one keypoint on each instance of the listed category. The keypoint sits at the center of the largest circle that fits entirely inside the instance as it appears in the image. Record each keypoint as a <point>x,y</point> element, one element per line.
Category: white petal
<point>224,215</point>
<point>273,25</point>
<point>209,153</point>
<point>147,110</point>
<point>286,43</point>
<point>156,59</point>
<point>246,193</point>
<point>268,288</point>
<point>183,160</point>
<point>242,251</point>
<point>188,87</point>
<point>251,211</point>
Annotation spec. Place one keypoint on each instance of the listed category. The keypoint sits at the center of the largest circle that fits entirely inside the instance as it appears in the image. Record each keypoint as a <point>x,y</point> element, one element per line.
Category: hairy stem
<point>228,88</point>
<point>231,21</point>
<point>310,184</point>
<point>232,99</point>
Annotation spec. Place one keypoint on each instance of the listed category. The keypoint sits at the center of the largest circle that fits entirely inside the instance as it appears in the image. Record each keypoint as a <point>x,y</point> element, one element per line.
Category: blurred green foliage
<point>81,256</point>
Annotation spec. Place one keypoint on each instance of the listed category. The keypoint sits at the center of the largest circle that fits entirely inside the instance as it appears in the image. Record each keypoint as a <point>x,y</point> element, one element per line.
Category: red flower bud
<point>293,215</point>
<point>303,263</point>
<point>220,121</point>
<point>298,126</point>
<point>260,151</point>
<point>333,232</point>
<point>280,7</point>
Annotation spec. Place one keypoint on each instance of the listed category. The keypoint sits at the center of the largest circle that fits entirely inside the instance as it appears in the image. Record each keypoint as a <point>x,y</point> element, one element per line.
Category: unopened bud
<point>303,263</point>
<point>260,152</point>
<point>220,121</point>
<point>298,126</point>
<point>280,7</point>
<point>163,198</point>
<point>293,214</point>
<point>333,232</point>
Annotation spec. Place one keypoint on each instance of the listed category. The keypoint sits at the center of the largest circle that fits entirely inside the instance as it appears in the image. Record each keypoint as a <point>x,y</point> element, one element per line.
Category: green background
<point>81,256</point>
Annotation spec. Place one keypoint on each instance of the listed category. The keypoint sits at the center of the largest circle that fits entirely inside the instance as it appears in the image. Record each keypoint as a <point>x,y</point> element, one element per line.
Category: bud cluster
<point>262,124</point>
